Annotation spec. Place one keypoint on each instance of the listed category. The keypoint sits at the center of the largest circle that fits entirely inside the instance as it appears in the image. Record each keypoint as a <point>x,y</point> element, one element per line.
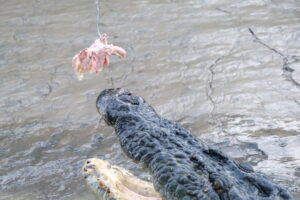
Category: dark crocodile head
<point>115,104</point>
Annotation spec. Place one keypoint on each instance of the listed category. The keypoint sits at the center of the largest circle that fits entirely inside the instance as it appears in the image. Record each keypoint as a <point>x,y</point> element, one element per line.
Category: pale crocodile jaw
<point>110,182</point>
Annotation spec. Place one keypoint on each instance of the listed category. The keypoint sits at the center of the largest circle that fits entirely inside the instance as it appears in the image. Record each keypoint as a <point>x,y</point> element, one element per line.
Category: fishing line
<point>98,17</point>
<point>99,34</point>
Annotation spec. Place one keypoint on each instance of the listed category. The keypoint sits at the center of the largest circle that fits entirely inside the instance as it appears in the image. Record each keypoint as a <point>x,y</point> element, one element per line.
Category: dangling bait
<point>96,57</point>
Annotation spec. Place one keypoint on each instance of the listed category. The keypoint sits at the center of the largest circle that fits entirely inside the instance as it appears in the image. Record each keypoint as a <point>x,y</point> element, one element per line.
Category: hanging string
<point>99,34</point>
<point>98,17</point>
<point>112,82</point>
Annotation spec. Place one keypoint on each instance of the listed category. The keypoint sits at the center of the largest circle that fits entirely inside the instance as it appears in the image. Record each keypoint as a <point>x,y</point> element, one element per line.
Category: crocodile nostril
<point>135,103</point>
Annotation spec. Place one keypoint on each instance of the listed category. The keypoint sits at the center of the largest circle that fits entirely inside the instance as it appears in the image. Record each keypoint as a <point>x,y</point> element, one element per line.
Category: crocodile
<point>111,182</point>
<point>182,166</point>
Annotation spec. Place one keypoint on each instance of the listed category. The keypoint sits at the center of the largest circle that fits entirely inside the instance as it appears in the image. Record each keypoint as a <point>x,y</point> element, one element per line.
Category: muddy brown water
<point>196,62</point>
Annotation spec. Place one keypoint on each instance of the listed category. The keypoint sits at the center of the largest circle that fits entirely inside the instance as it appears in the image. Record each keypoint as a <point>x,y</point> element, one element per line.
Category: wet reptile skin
<point>182,166</point>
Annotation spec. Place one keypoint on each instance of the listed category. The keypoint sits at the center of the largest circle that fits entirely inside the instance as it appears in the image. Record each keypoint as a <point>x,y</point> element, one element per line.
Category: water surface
<point>196,62</point>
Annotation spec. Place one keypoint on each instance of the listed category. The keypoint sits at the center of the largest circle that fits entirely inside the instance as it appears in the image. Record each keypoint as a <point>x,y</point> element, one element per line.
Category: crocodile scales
<point>182,166</point>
